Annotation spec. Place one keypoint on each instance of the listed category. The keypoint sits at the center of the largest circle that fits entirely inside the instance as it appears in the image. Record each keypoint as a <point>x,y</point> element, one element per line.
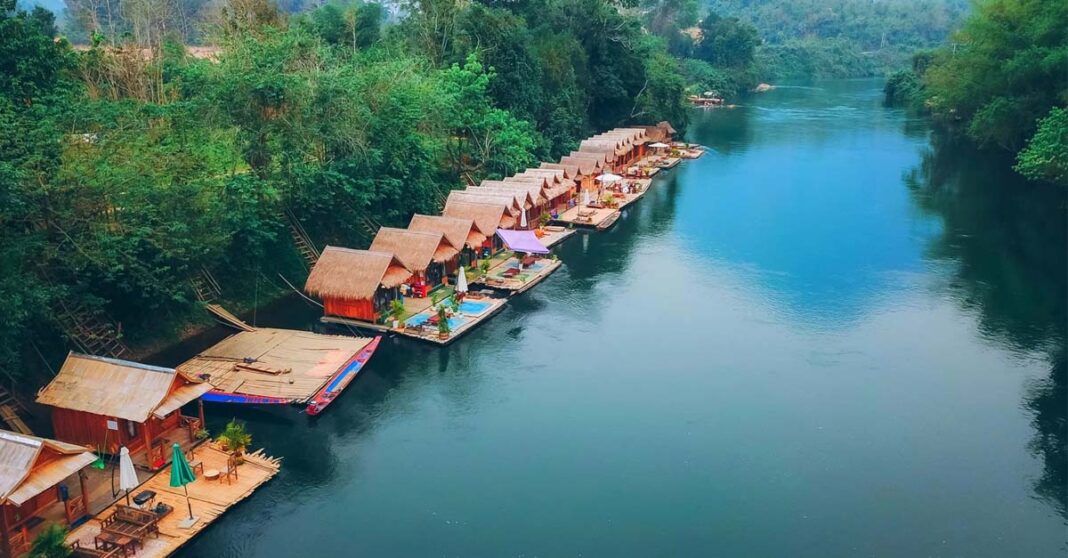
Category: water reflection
<point>825,230</point>
<point>1005,240</point>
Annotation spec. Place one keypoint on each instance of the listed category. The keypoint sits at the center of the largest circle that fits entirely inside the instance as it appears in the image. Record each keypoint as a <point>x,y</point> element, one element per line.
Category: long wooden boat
<point>342,379</point>
<point>217,396</point>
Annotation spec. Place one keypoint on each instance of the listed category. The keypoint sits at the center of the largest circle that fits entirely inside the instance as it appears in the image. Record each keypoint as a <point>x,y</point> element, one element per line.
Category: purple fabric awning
<point>522,241</point>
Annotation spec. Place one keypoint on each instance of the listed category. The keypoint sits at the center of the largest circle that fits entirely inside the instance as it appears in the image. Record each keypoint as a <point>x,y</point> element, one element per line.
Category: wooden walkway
<point>210,499</point>
<point>230,319</point>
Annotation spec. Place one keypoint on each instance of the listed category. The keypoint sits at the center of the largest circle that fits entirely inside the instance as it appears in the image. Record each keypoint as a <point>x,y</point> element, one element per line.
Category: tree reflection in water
<point>1006,238</point>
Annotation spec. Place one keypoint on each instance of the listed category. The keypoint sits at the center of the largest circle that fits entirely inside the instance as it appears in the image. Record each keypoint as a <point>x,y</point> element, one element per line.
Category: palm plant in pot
<point>396,311</point>
<point>443,323</point>
<point>235,439</point>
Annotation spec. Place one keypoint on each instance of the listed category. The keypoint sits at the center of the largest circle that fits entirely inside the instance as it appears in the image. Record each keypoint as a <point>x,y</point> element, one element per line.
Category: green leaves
<point>1046,155</point>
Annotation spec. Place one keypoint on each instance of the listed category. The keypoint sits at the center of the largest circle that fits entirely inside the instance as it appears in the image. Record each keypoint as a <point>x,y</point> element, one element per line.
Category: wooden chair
<point>81,551</point>
<point>194,463</point>
<point>230,470</point>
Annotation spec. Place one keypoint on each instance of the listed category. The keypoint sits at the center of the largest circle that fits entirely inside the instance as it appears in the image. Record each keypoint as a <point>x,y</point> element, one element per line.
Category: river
<point>833,335</point>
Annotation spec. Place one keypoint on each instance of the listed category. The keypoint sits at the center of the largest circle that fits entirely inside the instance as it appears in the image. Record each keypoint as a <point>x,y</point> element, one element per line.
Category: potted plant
<point>396,311</point>
<point>202,434</point>
<point>235,439</point>
<point>484,266</point>
<point>51,543</point>
<point>443,323</point>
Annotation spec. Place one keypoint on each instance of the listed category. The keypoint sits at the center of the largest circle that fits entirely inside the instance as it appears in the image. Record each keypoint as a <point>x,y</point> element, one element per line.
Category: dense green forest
<point>1002,83</point>
<point>841,38</point>
<point>129,167</point>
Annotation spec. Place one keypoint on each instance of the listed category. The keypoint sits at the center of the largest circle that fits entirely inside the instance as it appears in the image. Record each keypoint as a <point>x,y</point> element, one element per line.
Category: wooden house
<point>356,284</point>
<point>487,217</point>
<point>428,255</point>
<point>582,174</point>
<point>108,403</point>
<point>460,232</point>
<point>561,188</point>
<point>36,488</point>
<point>522,198</point>
<point>511,206</point>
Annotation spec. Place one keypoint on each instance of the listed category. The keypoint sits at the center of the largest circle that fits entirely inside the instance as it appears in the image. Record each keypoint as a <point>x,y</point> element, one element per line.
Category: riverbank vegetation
<point>1000,83</point>
<point>132,167</point>
<point>841,38</point>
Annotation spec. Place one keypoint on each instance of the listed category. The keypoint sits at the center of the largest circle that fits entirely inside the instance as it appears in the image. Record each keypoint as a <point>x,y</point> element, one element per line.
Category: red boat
<point>341,379</point>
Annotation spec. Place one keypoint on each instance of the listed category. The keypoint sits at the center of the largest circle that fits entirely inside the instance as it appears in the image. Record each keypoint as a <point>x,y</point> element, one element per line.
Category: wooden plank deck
<point>210,499</point>
<point>520,283</point>
<point>552,238</point>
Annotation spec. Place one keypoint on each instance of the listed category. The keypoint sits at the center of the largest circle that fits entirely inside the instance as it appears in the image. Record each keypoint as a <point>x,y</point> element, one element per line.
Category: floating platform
<point>473,311</point>
<point>589,217</point>
<point>209,499</point>
<point>274,366</point>
<point>553,237</point>
<point>521,282</point>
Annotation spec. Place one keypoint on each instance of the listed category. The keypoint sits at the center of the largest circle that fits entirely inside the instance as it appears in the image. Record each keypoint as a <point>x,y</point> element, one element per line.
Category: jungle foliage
<point>129,166</point>
<point>1001,83</point>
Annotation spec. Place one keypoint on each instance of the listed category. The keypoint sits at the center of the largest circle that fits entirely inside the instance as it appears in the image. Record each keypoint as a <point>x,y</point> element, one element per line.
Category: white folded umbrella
<point>127,474</point>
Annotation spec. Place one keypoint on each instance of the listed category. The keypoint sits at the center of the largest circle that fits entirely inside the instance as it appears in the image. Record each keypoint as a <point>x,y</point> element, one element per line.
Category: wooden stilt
<point>148,443</point>
<point>5,543</point>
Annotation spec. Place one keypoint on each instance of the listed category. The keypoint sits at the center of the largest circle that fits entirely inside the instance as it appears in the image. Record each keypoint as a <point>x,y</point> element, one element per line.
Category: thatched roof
<point>458,231</point>
<point>508,202</point>
<point>555,176</point>
<point>30,465</point>
<point>570,171</point>
<point>496,187</point>
<point>604,146</point>
<point>666,127</point>
<point>354,274</point>
<point>486,216</point>
<point>307,359</point>
<point>119,388</point>
<point>602,158</point>
<point>415,249</point>
<point>529,191</point>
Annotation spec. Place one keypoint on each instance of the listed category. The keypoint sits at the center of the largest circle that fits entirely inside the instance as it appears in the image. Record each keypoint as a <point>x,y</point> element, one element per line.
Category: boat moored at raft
<point>342,379</point>
<point>269,366</point>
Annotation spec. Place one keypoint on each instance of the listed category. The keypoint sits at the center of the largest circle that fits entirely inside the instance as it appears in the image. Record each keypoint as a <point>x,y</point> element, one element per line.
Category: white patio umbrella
<point>585,197</point>
<point>658,145</point>
<point>127,474</point>
<point>523,220</point>
<point>608,178</point>
<point>461,281</point>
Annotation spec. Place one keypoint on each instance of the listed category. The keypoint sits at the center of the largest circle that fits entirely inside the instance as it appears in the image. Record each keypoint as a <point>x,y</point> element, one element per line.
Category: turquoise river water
<point>833,335</point>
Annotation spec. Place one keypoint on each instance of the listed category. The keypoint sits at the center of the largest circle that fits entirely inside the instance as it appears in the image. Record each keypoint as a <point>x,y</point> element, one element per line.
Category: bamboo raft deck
<point>274,363</point>
<point>522,282</point>
<point>589,217</point>
<point>209,498</point>
<point>553,237</point>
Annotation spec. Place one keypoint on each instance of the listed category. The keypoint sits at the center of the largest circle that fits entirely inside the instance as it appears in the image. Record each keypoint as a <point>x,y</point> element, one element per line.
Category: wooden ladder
<point>205,287</point>
<point>9,412</point>
<point>92,334</point>
<point>370,226</point>
<point>302,241</point>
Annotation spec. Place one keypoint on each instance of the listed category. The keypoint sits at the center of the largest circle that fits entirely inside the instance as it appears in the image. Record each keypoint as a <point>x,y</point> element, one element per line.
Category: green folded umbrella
<point>181,474</point>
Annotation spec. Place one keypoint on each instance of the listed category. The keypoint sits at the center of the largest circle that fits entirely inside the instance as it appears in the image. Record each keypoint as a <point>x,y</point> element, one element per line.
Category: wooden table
<point>211,474</point>
<point>110,541</point>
